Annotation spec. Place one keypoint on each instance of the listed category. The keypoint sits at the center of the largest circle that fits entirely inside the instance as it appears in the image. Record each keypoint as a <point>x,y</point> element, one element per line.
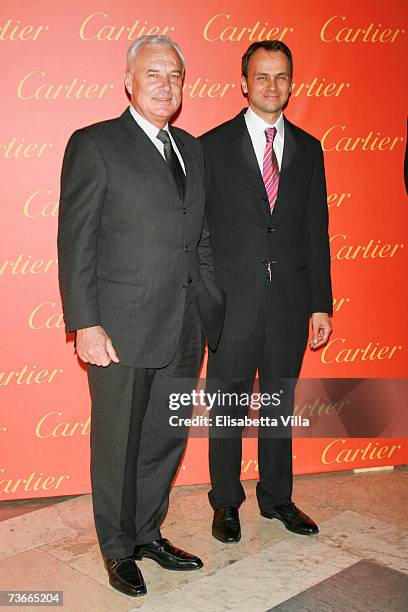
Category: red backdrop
<point>63,66</point>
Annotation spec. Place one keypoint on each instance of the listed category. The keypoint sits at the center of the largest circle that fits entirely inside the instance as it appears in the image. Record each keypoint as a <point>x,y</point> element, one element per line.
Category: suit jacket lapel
<point>243,151</point>
<point>288,167</point>
<point>145,151</point>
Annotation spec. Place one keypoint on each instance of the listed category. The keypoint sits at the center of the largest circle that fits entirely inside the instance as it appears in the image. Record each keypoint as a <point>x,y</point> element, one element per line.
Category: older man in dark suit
<point>137,287</point>
<point>267,212</point>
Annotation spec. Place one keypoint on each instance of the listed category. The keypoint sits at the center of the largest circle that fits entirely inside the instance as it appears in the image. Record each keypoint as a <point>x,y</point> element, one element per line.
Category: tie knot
<point>164,137</point>
<point>270,134</point>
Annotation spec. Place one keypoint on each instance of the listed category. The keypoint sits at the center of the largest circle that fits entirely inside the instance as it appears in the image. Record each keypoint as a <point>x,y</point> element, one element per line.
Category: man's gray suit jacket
<point>128,244</point>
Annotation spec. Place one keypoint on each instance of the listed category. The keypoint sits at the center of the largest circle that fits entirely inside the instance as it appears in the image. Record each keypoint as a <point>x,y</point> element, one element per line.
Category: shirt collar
<point>256,123</point>
<point>150,129</point>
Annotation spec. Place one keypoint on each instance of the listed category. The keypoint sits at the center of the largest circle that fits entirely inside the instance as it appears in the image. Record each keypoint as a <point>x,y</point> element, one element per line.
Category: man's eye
<point>175,77</point>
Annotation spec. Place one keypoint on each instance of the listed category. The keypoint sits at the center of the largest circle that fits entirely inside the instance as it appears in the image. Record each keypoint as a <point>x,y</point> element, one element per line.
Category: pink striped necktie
<point>270,172</point>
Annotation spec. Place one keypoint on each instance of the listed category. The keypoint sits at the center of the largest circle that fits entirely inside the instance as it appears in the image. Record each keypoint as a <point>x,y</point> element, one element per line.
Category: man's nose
<point>272,83</point>
<point>165,81</point>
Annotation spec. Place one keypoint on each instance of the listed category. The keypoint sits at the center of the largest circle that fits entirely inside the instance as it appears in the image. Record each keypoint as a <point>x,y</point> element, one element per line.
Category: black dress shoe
<point>226,527</point>
<point>125,576</point>
<point>168,556</point>
<point>294,519</point>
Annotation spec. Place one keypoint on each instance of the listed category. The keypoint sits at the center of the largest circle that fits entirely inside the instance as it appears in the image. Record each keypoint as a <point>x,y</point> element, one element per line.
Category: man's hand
<point>94,346</point>
<point>321,328</point>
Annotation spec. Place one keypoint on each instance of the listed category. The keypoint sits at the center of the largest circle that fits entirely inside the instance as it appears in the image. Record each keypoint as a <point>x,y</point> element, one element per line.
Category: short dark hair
<point>268,45</point>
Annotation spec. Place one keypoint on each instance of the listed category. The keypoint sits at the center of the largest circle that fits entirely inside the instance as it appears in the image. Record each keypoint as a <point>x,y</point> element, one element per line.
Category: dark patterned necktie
<point>270,172</point>
<point>173,161</point>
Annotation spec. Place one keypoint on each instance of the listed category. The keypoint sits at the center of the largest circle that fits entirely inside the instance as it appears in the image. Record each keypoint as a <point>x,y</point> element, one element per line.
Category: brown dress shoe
<point>125,576</point>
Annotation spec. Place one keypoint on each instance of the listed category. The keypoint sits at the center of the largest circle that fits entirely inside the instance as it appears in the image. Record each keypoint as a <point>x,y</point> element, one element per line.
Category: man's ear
<point>129,82</point>
<point>244,85</point>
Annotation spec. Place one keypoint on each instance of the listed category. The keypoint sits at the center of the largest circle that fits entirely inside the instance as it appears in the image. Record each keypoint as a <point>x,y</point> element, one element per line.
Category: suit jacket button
<point>184,286</point>
<point>184,211</point>
<point>270,230</point>
<point>185,249</point>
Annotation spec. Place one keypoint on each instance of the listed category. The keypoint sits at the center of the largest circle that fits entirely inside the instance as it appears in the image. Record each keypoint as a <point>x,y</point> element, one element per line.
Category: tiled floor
<point>363,586</point>
<point>51,545</point>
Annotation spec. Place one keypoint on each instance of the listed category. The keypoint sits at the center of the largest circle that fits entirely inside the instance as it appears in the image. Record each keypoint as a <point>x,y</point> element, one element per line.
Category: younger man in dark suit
<point>267,211</point>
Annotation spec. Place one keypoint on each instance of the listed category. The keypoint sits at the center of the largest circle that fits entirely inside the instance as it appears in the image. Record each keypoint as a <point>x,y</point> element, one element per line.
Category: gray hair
<point>153,40</point>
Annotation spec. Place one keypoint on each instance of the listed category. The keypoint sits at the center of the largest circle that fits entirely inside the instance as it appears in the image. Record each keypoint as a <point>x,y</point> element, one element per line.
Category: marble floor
<point>51,545</point>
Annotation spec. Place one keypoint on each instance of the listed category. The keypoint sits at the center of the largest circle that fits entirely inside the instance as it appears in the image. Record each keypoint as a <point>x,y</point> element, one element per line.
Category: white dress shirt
<point>152,130</point>
<point>256,128</point>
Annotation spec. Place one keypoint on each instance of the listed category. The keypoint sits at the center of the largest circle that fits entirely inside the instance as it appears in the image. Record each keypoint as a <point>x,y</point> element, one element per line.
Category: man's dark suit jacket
<point>128,244</point>
<point>245,236</point>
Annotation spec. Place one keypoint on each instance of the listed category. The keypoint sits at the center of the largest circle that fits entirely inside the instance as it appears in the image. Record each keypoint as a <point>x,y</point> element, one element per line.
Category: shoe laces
<point>289,508</point>
<point>231,514</point>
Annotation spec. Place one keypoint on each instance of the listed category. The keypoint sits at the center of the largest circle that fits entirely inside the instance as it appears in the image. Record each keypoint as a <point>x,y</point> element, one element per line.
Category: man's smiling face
<point>155,83</point>
<point>268,83</point>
